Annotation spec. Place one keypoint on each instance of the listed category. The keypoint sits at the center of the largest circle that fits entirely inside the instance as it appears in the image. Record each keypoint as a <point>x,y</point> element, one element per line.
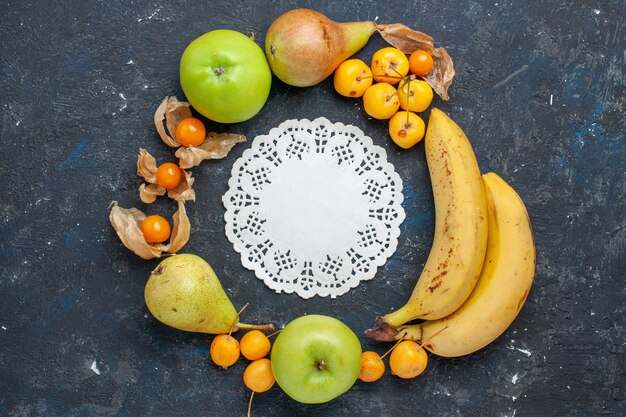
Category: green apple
<point>316,358</point>
<point>225,76</point>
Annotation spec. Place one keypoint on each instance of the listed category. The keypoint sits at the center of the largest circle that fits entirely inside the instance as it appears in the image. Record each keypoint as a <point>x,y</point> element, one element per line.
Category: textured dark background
<point>539,90</point>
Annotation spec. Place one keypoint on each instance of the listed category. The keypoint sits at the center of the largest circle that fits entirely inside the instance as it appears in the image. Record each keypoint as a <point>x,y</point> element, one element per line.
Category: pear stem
<point>262,327</point>
<point>237,325</point>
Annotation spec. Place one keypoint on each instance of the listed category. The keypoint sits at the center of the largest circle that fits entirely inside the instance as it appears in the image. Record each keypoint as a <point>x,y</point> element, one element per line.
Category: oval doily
<point>314,207</point>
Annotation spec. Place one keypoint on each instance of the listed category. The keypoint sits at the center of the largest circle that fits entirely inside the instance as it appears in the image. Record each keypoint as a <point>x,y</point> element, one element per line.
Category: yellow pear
<point>303,47</point>
<point>184,292</point>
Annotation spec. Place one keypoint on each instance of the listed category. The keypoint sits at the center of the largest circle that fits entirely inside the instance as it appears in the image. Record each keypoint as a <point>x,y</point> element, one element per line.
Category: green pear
<point>303,47</point>
<point>184,292</point>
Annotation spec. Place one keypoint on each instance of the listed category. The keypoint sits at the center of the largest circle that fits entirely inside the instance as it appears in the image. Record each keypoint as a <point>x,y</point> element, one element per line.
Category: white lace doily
<point>314,207</point>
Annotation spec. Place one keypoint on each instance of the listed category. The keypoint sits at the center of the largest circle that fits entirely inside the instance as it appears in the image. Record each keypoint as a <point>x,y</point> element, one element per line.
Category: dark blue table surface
<point>539,91</point>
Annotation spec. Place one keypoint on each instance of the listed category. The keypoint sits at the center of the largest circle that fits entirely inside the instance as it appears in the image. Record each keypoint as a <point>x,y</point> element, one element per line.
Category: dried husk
<point>127,225</point>
<point>147,167</point>
<point>184,190</point>
<point>404,38</point>
<point>442,74</point>
<point>172,112</point>
<point>181,229</point>
<point>408,41</point>
<point>215,146</point>
<point>148,193</point>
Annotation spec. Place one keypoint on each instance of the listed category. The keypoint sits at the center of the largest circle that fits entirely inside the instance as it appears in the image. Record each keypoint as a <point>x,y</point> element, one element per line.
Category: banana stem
<point>400,317</point>
<point>382,331</point>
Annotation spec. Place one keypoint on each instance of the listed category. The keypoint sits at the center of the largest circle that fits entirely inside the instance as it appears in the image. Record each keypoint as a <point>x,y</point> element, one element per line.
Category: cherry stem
<point>408,96</point>
<point>242,309</point>
<point>397,72</point>
<point>407,111</point>
<point>421,345</point>
<point>250,403</point>
<point>236,325</point>
<point>392,348</point>
<point>389,76</point>
<point>275,333</point>
<point>434,334</point>
<point>236,321</point>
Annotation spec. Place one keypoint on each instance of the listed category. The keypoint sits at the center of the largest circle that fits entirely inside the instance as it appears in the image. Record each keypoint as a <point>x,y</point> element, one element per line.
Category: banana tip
<point>382,331</point>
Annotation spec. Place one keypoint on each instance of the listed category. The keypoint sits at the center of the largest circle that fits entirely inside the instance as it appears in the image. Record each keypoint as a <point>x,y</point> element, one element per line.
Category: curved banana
<point>460,239</point>
<point>503,285</point>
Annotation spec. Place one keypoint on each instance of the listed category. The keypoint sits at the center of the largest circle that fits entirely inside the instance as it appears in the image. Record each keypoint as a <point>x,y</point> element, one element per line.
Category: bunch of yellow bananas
<point>482,261</point>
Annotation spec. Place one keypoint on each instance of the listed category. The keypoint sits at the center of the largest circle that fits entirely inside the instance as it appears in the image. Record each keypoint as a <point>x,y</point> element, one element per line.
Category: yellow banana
<point>460,239</point>
<point>503,285</point>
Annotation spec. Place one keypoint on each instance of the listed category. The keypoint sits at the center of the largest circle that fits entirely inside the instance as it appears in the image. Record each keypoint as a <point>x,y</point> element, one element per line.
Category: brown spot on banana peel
<point>522,300</point>
<point>444,265</point>
<point>437,281</point>
<point>433,287</point>
<point>446,223</point>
